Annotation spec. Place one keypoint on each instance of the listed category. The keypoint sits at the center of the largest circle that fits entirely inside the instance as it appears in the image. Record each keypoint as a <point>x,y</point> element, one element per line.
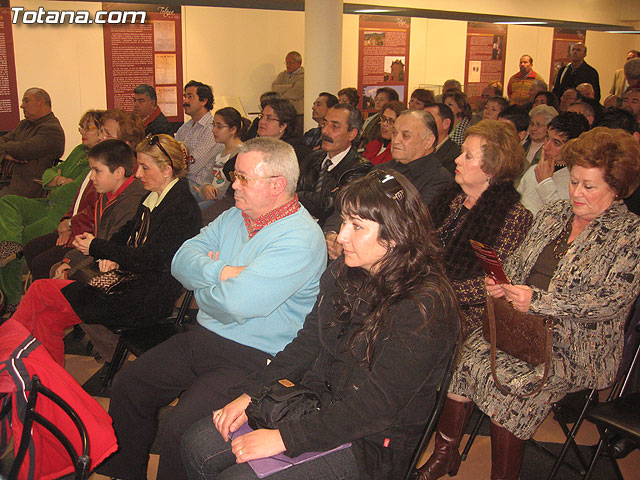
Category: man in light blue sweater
<point>255,273</point>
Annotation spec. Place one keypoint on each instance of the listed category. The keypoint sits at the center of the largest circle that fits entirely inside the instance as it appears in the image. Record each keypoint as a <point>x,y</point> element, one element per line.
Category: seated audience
<point>569,96</point>
<point>517,116</point>
<point>254,272</point>
<point>548,180</point>
<point>447,149</point>
<point>540,116</point>
<point>546,98</point>
<point>349,95</point>
<point>23,219</point>
<point>313,136</point>
<point>379,150</point>
<point>484,206</point>
<point>371,127</point>
<point>197,135</point>
<point>277,120</point>
<point>229,129</point>
<point>144,246</point>
<point>618,118</point>
<point>324,172</point>
<point>145,104</point>
<point>421,98</point>
<point>376,363</point>
<point>586,90</point>
<point>494,107</point>
<point>580,265</point>
<point>457,102</point>
<point>586,109</point>
<point>631,102</point>
<point>42,252</point>
<point>32,147</point>
<point>451,85</point>
<point>253,129</point>
<point>415,136</point>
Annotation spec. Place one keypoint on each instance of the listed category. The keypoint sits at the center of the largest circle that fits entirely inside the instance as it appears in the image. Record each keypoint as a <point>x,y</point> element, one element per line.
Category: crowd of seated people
<point>339,258</point>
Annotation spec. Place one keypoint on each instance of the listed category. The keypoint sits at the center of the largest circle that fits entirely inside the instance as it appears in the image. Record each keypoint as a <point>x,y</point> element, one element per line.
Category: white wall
<point>239,51</point>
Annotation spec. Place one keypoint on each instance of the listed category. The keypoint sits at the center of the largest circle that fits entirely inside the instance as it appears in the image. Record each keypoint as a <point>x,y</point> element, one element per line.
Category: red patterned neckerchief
<point>274,215</point>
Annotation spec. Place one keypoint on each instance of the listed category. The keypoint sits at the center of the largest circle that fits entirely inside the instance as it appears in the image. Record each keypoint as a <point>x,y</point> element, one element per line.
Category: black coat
<point>320,204</point>
<point>366,406</point>
<point>151,296</point>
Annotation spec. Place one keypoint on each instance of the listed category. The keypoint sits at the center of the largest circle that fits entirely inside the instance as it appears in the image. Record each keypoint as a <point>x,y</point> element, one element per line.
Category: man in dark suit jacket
<point>447,149</point>
<point>576,72</point>
<point>145,104</point>
<point>325,171</point>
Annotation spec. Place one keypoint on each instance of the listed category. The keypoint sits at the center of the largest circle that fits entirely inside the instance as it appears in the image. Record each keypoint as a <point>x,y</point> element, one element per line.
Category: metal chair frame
<point>430,427</point>
<point>81,461</point>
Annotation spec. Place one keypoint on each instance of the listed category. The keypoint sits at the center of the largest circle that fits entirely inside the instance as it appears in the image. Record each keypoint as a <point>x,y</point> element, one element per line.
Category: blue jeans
<point>206,456</point>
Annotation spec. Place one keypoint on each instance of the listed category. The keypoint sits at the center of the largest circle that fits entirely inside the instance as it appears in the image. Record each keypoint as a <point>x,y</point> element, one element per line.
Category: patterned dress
<point>590,296</point>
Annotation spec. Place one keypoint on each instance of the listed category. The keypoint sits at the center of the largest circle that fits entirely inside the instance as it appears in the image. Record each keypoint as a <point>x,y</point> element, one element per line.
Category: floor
<point>477,465</point>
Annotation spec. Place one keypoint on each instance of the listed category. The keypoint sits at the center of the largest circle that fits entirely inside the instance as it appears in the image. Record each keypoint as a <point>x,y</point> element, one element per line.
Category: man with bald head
<point>577,71</point>
<point>32,147</point>
<point>586,90</point>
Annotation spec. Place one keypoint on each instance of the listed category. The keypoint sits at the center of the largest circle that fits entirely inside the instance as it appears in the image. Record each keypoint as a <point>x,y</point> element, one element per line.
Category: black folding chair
<point>81,460</point>
<point>620,415</point>
<point>139,340</point>
<point>427,433</point>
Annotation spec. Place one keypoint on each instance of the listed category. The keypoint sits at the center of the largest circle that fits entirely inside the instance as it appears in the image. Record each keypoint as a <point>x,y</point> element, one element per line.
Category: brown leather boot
<point>506,454</point>
<point>446,457</point>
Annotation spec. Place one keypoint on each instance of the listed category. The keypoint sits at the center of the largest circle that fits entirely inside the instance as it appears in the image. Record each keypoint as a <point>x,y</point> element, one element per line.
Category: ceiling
<point>353,8</point>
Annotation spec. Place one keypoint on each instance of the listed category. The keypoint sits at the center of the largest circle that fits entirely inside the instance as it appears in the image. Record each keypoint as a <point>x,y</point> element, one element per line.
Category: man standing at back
<point>32,147</point>
<point>145,104</point>
<point>290,85</point>
<point>519,83</point>
<point>576,72</point>
<point>254,272</point>
<point>197,133</point>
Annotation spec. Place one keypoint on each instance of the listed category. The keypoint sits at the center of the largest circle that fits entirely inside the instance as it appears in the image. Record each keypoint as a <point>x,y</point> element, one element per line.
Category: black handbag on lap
<point>279,401</point>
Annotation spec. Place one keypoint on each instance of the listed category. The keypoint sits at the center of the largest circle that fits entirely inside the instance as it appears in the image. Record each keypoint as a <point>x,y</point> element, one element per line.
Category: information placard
<point>383,57</point>
<point>149,53</point>
<point>9,111</point>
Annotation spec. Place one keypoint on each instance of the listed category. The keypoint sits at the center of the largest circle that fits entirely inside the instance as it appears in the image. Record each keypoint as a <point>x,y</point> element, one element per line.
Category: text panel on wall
<point>149,52</point>
<point>486,45</point>
<point>9,113</point>
<point>383,57</point>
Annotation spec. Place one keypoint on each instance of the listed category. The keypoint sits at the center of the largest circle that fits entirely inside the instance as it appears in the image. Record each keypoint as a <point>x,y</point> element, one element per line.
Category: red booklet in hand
<point>490,262</point>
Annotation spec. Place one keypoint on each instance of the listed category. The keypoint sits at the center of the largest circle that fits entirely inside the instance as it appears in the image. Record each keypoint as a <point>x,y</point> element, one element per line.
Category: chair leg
<point>610,452</point>
<point>472,437</point>
<point>117,361</point>
<point>570,442</point>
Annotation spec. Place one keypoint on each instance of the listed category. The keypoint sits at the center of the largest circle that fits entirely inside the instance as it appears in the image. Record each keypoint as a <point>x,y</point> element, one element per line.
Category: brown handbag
<point>525,336</point>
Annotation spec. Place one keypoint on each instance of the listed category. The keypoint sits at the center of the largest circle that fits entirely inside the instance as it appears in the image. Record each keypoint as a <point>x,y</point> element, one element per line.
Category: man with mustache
<point>323,172</point>
<point>197,133</point>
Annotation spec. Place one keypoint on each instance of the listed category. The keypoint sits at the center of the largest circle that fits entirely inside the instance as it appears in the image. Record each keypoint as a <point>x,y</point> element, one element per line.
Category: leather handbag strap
<point>547,353</point>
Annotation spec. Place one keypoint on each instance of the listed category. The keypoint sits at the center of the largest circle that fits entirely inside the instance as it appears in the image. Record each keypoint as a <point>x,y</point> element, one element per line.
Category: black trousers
<point>42,253</point>
<point>199,367</point>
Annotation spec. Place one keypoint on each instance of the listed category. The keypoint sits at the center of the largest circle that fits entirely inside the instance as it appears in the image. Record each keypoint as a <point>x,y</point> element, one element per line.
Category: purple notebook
<point>266,466</point>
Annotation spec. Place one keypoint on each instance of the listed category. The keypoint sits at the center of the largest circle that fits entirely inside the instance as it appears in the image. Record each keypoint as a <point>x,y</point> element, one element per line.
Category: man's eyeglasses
<point>155,140</point>
<point>244,180</point>
<point>390,186</point>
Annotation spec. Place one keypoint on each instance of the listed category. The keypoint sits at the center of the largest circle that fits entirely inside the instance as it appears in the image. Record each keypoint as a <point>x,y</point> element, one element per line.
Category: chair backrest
<point>81,461</point>
<point>430,427</point>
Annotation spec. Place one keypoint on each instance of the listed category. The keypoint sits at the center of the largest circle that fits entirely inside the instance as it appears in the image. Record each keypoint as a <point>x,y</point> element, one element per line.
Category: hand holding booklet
<point>264,467</point>
<point>490,261</point>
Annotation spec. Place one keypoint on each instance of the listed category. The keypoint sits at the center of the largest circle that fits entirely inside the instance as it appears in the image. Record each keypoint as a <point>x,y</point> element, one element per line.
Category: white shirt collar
<point>336,158</point>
